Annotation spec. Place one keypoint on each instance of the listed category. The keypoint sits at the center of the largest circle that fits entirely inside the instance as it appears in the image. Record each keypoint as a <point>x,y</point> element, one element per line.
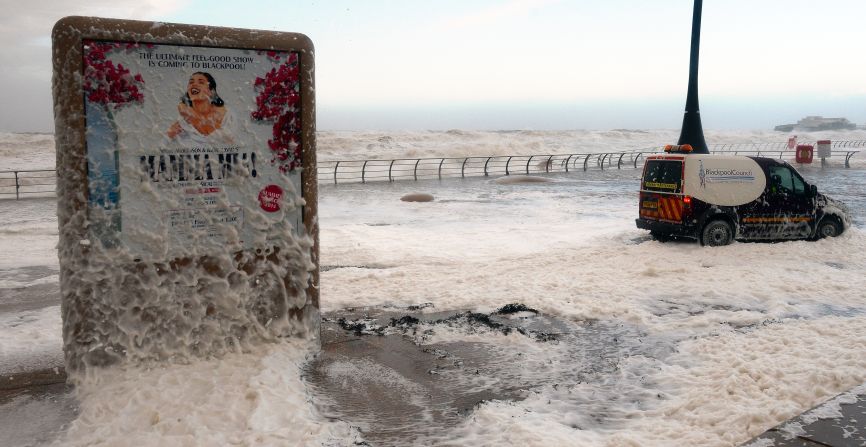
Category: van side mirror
<point>813,191</point>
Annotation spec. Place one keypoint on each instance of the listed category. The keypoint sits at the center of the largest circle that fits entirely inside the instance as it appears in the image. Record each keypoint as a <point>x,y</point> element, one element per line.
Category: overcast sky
<point>510,64</point>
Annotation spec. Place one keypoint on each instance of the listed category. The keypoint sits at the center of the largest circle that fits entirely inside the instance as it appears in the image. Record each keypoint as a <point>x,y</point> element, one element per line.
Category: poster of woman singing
<point>201,145</point>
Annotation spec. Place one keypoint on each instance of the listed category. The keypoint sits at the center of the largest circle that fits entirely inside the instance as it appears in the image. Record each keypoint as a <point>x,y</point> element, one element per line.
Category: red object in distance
<point>269,198</point>
<point>804,153</point>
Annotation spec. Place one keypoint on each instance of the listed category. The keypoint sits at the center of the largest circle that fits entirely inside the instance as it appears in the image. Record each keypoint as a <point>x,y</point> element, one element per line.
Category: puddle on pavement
<point>408,376</point>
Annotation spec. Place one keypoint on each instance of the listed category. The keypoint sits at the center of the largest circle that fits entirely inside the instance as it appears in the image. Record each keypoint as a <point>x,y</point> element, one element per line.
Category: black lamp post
<point>692,131</point>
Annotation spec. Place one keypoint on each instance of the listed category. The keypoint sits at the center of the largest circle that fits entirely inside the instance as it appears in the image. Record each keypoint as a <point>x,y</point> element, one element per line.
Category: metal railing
<point>346,171</point>
<point>19,184</point>
<point>771,149</point>
<point>27,183</point>
<point>353,171</point>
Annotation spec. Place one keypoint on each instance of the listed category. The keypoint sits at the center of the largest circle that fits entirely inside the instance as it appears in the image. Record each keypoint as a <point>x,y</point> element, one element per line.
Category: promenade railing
<point>33,183</point>
<point>372,170</point>
<point>27,183</point>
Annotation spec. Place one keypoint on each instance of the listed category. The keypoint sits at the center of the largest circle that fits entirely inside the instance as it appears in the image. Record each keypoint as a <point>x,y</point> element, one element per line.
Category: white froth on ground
<point>28,233</point>
<point>727,385</point>
<point>735,385</point>
<point>717,391</point>
<point>240,399</point>
<point>30,340</point>
<point>762,331</point>
<point>612,279</point>
<point>28,247</point>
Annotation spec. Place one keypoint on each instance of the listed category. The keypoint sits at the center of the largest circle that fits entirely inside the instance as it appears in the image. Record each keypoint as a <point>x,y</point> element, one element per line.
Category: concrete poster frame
<point>107,317</point>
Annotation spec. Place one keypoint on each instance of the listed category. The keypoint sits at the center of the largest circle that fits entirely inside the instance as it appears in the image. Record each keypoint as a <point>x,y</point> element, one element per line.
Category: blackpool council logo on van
<point>724,176</point>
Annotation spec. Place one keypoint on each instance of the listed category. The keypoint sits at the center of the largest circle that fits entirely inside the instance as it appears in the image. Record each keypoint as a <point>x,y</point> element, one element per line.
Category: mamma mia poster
<point>191,150</point>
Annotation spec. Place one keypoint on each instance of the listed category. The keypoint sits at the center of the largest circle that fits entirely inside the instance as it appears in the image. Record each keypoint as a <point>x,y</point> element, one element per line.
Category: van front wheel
<point>717,233</point>
<point>828,228</point>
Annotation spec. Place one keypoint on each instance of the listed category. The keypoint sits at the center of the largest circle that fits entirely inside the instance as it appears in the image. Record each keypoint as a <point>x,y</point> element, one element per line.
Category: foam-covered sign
<point>186,189</point>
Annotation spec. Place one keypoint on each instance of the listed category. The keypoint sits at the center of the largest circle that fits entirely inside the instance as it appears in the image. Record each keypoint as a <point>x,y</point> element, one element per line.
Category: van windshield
<point>663,176</point>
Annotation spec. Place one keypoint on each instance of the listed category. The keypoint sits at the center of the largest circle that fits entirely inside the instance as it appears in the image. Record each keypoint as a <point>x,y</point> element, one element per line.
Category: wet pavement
<point>23,306</point>
<point>411,375</point>
<point>369,356</point>
<point>408,377</point>
<point>29,297</point>
<point>839,422</point>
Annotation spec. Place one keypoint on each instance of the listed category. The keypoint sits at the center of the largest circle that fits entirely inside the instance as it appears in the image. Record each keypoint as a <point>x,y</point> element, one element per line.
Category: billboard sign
<point>186,188</point>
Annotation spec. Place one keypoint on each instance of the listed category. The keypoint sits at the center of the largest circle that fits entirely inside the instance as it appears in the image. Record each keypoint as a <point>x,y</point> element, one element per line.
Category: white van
<point>718,198</point>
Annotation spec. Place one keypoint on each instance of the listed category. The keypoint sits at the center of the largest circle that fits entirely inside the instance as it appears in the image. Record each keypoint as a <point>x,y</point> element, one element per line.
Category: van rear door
<point>661,189</point>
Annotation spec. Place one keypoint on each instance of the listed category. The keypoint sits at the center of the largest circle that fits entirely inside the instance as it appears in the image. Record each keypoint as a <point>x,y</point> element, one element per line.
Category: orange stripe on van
<point>663,208</point>
<point>776,219</point>
<point>677,203</point>
<point>671,208</point>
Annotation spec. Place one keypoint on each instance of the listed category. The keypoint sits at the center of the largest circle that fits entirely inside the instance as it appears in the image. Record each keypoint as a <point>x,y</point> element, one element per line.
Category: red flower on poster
<point>278,101</point>
<point>106,83</point>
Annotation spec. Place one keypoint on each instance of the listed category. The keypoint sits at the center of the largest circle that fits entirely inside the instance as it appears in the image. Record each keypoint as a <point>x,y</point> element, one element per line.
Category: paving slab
<point>839,422</point>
